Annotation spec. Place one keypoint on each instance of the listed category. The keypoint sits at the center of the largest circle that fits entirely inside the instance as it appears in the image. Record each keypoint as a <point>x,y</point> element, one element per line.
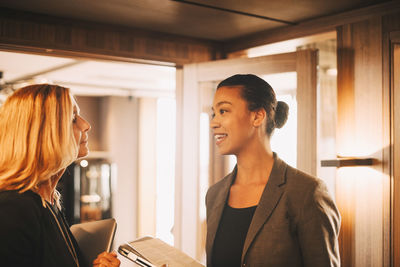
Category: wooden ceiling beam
<point>49,35</point>
<point>310,27</point>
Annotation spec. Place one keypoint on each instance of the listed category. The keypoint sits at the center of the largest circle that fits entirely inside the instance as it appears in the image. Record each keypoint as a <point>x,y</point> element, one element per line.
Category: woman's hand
<point>107,260</point>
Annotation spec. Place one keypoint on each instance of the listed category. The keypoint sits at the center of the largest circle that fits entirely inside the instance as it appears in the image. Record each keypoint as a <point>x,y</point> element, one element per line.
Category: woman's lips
<point>219,138</point>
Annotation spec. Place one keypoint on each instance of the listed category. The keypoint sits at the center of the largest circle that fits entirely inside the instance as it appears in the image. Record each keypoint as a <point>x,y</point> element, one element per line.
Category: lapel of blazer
<point>269,199</point>
<point>217,209</point>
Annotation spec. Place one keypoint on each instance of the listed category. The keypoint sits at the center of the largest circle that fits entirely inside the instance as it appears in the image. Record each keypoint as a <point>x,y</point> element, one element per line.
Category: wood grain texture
<point>367,42</point>
<point>391,36</point>
<point>396,154</point>
<point>344,138</point>
<point>46,33</point>
<point>360,133</point>
<point>310,27</point>
<point>306,67</point>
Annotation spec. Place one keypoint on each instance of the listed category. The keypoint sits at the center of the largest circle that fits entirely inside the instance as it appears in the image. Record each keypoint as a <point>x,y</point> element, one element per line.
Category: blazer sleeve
<point>19,232</point>
<point>318,228</point>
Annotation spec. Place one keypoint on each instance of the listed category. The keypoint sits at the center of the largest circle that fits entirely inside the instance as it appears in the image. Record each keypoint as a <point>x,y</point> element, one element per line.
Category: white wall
<point>119,120</point>
<point>147,169</point>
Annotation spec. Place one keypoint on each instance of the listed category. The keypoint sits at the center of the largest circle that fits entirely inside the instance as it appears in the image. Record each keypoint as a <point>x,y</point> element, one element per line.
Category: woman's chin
<point>223,152</point>
<point>83,153</point>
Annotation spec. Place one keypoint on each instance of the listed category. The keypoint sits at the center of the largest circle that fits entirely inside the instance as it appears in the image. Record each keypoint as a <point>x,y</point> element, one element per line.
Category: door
<point>195,85</point>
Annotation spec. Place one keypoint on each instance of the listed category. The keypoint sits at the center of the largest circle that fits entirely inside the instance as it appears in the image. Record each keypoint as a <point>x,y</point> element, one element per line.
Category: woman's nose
<point>214,123</point>
<point>85,125</point>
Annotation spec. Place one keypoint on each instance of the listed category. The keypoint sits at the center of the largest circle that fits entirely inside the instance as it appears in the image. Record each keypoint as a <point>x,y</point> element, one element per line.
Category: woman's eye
<point>212,115</point>
<point>74,118</point>
<point>222,111</point>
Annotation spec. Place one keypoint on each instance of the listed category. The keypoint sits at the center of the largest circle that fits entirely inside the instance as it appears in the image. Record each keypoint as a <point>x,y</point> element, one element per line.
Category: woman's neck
<point>254,165</point>
<point>46,190</point>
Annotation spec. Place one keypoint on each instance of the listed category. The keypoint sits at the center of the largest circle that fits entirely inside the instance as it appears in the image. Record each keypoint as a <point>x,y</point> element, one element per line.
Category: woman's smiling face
<point>232,122</point>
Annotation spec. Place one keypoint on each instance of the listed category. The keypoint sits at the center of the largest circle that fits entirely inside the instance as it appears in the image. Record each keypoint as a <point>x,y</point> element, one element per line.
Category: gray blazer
<point>296,223</point>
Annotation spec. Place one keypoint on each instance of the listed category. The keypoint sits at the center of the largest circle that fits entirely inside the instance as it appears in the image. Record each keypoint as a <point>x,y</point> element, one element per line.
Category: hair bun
<point>281,114</point>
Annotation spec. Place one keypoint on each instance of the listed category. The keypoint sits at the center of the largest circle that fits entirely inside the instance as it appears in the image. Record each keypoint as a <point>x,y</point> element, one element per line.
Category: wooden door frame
<point>391,58</point>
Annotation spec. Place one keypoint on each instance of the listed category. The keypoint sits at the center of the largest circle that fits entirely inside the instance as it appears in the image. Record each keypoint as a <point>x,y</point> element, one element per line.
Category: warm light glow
<point>84,163</point>
<point>354,150</point>
<point>90,198</point>
<point>331,72</point>
<point>41,79</point>
<point>357,144</point>
<point>361,183</point>
<point>2,98</point>
<point>275,48</point>
<point>289,45</point>
<point>359,197</point>
<point>284,140</point>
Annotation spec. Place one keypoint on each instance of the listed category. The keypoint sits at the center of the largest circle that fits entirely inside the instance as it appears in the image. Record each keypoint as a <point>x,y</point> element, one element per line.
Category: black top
<point>30,235</point>
<point>230,237</point>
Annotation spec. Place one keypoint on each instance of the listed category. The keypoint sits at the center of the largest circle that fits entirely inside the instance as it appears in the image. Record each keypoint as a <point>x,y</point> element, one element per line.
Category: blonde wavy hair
<point>36,136</point>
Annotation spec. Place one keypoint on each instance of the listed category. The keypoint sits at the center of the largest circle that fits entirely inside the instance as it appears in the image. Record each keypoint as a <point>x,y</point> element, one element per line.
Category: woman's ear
<point>259,117</point>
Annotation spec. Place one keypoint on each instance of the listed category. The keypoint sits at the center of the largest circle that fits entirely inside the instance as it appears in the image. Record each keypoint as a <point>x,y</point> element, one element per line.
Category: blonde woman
<point>41,133</point>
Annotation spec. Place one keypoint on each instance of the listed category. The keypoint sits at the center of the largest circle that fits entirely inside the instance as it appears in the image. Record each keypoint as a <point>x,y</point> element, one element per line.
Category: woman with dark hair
<point>264,213</point>
<point>41,134</point>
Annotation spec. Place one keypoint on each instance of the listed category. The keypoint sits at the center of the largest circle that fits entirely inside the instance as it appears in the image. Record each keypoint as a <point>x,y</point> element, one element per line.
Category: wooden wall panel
<point>344,138</point>
<point>391,85</point>
<point>360,191</point>
<point>306,67</point>
<point>390,23</point>
<point>369,136</point>
<point>396,154</point>
<point>46,34</point>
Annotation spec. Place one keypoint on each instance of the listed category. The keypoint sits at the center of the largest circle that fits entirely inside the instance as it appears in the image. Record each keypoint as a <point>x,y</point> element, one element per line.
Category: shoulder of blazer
<point>21,212</point>
<point>301,179</point>
<point>300,185</point>
<point>27,203</point>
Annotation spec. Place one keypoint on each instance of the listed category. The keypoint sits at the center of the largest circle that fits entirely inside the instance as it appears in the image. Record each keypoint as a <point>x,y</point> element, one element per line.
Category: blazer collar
<point>269,199</point>
<point>216,212</point>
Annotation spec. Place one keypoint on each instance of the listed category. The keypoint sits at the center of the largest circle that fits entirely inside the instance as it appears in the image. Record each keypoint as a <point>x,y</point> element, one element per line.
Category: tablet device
<point>94,237</point>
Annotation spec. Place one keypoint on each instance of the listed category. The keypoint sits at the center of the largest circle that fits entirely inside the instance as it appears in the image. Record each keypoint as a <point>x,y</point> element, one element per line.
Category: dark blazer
<point>296,223</point>
<point>29,235</point>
